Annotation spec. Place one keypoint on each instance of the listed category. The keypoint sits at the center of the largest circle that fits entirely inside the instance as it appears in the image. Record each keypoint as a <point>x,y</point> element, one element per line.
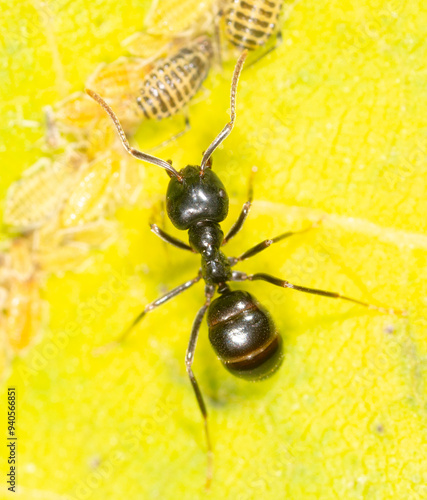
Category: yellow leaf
<point>335,121</point>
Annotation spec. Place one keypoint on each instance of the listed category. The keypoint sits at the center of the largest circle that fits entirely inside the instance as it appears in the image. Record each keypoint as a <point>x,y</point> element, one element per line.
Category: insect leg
<point>175,136</point>
<point>278,41</point>
<point>52,135</point>
<point>267,243</point>
<point>189,358</point>
<point>238,276</point>
<point>170,239</point>
<point>237,226</point>
<point>158,302</point>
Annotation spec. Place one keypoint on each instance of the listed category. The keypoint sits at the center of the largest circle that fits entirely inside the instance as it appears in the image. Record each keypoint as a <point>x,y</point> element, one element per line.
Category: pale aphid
<point>180,17</point>
<point>119,82</point>
<point>21,305</point>
<point>91,193</point>
<point>60,250</point>
<point>25,262</point>
<point>96,234</point>
<point>76,187</point>
<point>147,45</point>
<point>75,111</point>
<point>108,181</point>
<point>41,191</point>
<point>129,183</point>
<point>16,260</point>
<point>97,139</point>
<point>22,312</point>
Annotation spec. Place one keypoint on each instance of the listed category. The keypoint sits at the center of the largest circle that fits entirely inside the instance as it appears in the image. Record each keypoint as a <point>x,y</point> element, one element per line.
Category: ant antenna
<point>225,132</point>
<point>134,152</point>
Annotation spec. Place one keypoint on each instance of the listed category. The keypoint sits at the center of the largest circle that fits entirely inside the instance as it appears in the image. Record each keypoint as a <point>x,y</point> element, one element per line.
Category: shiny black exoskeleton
<point>243,335</point>
<point>198,203</point>
<point>241,331</point>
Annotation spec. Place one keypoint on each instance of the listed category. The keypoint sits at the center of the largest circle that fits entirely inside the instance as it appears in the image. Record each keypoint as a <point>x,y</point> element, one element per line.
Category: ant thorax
<point>205,237</point>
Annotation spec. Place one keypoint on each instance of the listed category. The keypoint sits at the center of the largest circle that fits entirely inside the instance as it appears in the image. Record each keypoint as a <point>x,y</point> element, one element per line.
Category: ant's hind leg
<point>158,302</point>
<point>237,226</point>
<point>238,276</point>
<point>189,358</point>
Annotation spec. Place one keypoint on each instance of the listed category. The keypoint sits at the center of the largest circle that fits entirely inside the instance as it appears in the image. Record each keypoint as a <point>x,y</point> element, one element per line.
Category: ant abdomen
<point>244,336</point>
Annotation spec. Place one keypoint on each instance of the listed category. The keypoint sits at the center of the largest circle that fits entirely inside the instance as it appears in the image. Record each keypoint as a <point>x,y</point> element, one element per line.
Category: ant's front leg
<point>170,239</point>
<point>238,276</point>
<point>163,235</point>
<point>237,226</point>
<point>161,300</point>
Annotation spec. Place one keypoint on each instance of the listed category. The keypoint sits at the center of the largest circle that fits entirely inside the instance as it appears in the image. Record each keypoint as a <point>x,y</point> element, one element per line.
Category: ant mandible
<point>241,330</point>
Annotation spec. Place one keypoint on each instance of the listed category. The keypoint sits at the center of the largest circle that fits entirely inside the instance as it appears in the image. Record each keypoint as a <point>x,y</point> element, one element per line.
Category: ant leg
<point>52,134</point>
<point>170,239</point>
<point>175,136</point>
<point>238,276</point>
<point>237,226</point>
<point>267,243</point>
<point>278,41</point>
<point>158,302</point>
<point>189,358</point>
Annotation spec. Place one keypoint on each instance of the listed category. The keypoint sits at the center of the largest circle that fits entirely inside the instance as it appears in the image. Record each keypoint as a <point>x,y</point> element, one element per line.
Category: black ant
<point>241,330</point>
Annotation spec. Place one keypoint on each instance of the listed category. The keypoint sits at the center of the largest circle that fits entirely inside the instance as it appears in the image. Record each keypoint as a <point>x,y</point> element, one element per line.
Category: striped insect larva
<point>137,89</point>
<point>175,80</point>
<point>250,23</point>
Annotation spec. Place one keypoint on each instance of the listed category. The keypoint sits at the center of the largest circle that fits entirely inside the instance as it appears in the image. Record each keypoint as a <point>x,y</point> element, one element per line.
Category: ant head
<point>198,196</point>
